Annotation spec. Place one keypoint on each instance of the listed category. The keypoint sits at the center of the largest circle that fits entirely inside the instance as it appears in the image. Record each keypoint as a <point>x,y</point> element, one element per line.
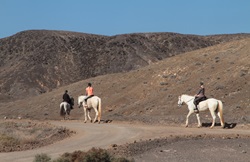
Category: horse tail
<point>99,110</point>
<point>220,110</point>
<point>62,112</point>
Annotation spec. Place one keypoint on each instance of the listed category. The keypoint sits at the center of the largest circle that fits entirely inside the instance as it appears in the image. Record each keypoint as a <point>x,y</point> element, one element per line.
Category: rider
<point>199,96</point>
<point>89,92</point>
<point>67,99</point>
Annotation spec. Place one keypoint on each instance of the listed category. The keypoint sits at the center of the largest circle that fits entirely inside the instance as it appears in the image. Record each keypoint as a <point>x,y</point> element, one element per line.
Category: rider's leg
<point>196,100</point>
<point>85,101</point>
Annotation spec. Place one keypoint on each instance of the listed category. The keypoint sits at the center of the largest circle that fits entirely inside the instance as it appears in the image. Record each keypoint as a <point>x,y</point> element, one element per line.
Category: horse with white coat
<point>65,108</point>
<point>93,102</point>
<point>214,106</point>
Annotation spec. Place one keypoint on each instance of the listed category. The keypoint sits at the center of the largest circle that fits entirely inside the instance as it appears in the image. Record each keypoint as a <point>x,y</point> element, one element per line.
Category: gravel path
<point>104,135</point>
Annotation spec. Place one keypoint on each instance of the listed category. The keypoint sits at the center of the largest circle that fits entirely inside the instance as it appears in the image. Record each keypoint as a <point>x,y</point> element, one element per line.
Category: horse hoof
<point>91,121</point>
<point>211,127</point>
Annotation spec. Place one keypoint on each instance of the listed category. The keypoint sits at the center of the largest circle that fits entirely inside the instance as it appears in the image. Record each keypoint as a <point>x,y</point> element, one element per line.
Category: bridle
<point>182,101</point>
<point>189,100</point>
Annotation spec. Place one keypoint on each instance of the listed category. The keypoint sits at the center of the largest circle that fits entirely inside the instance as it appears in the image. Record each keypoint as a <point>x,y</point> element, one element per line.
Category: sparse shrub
<point>164,76</point>
<point>219,87</point>
<point>8,141</point>
<point>93,155</point>
<point>62,159</point>
<point>163,83</point>
<point>97,155</point>
<point>42,158</point>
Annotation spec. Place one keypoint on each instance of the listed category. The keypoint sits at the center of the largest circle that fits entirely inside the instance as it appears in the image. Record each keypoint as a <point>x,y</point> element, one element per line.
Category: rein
<point>189,100</point>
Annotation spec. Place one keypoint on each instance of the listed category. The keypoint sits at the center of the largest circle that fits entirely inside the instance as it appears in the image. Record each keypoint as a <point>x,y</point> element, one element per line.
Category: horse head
<point>81,100</point>
<point>180,101</point>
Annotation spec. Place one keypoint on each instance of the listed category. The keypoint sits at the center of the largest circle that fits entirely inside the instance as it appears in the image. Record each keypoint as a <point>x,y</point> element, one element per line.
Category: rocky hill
<point>38,61</point>
<point>149,94</point>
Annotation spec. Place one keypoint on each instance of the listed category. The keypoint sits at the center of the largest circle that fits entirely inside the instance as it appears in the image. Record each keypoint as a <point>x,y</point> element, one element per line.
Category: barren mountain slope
<point>150,94</point>
<point>37,61</point>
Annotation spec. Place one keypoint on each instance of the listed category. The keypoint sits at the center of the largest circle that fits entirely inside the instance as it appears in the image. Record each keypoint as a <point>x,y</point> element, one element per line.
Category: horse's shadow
<point>227,125</point>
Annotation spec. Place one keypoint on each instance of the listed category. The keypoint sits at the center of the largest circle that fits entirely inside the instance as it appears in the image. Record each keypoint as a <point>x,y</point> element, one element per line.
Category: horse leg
<point>220,114</point>
<point>189,113</point>
<point>89,116</point>
<point>69,116</point>
<point>99,111</point>
<point>68,113</point>
<point>96,114</point>
<point>221,123</point>
<point>198,119</point>
<point>65,112</point>
<point>221,120</point>
<point>214,117</point>
<point>85,114</point>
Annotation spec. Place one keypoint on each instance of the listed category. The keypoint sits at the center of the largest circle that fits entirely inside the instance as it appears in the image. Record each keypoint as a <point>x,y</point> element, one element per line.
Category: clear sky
<point>112,17</point>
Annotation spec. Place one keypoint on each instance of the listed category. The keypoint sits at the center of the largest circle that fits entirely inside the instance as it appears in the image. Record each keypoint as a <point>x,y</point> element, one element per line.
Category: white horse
<point>65,108</point>
<point>212,104</point>
<point>93,102</point>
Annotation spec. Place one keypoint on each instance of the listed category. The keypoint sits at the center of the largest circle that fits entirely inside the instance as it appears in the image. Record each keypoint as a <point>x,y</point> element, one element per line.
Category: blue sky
<point>112,17</point>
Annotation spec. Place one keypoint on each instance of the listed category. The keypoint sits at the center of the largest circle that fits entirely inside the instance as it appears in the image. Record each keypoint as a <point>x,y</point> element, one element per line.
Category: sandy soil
<point>163,143</point>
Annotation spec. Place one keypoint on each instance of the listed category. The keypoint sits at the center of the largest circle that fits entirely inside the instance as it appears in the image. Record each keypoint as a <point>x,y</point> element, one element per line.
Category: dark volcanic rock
<point>37,61</point>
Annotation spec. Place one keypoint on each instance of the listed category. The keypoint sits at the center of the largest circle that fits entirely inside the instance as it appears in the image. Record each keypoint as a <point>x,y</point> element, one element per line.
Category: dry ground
<point>148,142</point>
<point>149,95</point>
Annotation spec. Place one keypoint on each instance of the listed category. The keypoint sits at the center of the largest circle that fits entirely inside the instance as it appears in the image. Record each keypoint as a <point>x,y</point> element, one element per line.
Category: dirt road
<point>103,135</point>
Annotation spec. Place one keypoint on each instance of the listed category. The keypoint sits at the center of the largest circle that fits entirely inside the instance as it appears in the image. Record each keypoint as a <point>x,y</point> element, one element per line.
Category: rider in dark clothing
<point>67,99</point>
<point>200,96</point>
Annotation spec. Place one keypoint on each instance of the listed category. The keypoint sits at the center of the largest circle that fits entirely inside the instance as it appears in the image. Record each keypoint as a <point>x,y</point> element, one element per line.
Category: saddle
<point>88,97</point>
<point>201,99</point>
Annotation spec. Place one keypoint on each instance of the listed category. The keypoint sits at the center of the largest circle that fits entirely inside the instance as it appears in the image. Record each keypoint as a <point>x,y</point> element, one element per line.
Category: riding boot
<point>196,109</point>
<point>85,102</point>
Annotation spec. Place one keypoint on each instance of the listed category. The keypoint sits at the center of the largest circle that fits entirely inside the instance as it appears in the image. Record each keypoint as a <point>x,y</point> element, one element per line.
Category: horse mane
<point>187,95</point>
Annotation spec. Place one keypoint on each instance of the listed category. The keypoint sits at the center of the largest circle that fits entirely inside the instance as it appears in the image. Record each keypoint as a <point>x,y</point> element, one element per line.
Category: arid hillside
<point>149,94</point>
<point>38,61</point>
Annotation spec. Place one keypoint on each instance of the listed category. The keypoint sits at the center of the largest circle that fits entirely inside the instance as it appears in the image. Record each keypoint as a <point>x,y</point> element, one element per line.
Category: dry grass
<point>93,155</point>
<point>23,135</point>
